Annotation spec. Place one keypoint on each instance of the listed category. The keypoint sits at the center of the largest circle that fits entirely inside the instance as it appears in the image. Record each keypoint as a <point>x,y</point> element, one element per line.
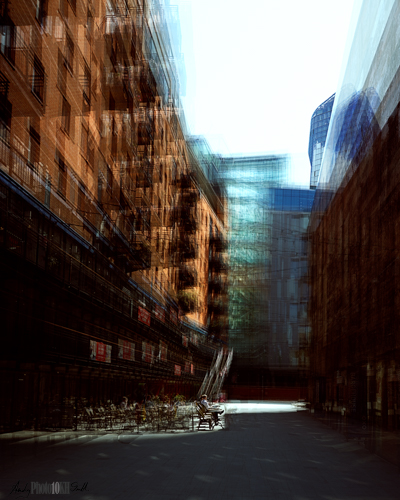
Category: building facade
<point>213,240</point>
<point>268,290</point>
<point>318,132</point>
<point>248,181</point>
<point>355,357</point>
<point>289,331</point>
<point>101,209</point>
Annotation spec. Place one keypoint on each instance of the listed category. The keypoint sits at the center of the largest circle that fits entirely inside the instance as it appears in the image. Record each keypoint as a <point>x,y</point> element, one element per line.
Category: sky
<point>257,70</point>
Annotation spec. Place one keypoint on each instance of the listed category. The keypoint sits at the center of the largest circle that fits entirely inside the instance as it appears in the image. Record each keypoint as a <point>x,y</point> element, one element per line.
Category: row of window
<point>8,35</point>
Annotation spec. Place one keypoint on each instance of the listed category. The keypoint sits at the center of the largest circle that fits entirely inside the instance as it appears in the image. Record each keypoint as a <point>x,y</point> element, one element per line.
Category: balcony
<point>187,277</point>
<point>183,251</point>
<point>217,326</point>
<point>186,182</point>
<point>218,243</point>
<point>174,216</point>
<point>188,220</point>
<point>188,251</point>
<point>142,254</point>
<point>216,306</point>
<point>156,217</point>
<point>187,301</point>
<point>174,246</point>
<point>190,197</point>
<point>167,217</point>
<point>144,119</point>
<point>144,116</point>
<point>145,135</point>
<point>189,223</point>
<point>147,86</point>
<point>141,199</point>
<point>145,173</point>
<point>216,285</point>
<point>171,150</point>
<point>114,79</point>
<point>5,151</point>
<point>218,264</point>
<point>130,256</point>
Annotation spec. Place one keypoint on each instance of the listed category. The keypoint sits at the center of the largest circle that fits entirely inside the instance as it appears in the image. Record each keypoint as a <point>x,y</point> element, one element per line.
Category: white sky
<point>257,69</point>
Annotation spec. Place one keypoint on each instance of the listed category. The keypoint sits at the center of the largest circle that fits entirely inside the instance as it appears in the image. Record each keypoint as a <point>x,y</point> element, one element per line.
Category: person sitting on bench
<point>214,411</point>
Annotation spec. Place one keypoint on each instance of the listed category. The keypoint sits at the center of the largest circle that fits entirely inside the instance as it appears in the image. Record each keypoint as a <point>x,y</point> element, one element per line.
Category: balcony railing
<point>190,197</point>
<point>218,264</point>
<point>156,217</point>
<point>216,306</point>
<point>189,252</point>
<point>187,301</point>
<point>217,326</point>
<point>188,220</point>
<point>187,277</point>
<point>141,199</point>
<point>5,152</point>
<point>218,243</point>
<point>186,181</point>
<point>142,253</point>
<point>216,285</point>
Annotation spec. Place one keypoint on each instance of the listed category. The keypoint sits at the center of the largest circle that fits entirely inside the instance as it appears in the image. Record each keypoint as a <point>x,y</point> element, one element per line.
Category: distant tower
<point>318,130</point>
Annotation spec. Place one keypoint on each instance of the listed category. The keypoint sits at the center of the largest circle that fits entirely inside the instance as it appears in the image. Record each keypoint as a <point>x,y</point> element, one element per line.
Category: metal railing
<point>110,418</point>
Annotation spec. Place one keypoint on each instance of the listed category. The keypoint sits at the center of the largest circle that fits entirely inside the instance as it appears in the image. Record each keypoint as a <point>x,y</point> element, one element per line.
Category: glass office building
<point>248,181</point>
<point>267,262</point>
<point>365,98</point>
<point>318,131</point>
<point>288,330</point>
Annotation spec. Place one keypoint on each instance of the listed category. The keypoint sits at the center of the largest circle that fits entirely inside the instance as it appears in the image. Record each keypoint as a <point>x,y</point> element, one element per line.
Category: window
<point>34,147</point>
<point>72,4</point>
<point>72,186</point>
<point>109,179</point>
<point>100,188</point>
<point>69,53</point>
<point>41,7</point>
<point>65,115</point>
<point>89,25</point>
<point>63,7</point>
<point>114,138</point>
<point>133,48</point>
<point>4,87</point>
<point>114,52</point>
<point>86,84</point>
<point>82,202</point>
<point>62,175</point>
<point>85,141</point>
<point>7,40</point>
<point>5,121</point>
<point>5,110</point>
<point>87,145</point>
<point>38,79</point>
<point>62,74</point>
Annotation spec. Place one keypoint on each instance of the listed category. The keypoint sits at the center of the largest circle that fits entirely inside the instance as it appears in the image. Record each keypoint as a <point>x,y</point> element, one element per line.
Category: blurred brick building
<point>354,306</point>
<point>106,220</point>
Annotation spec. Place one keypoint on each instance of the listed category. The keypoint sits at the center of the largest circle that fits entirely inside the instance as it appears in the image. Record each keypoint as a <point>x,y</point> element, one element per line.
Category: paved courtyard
<point>267,451</point>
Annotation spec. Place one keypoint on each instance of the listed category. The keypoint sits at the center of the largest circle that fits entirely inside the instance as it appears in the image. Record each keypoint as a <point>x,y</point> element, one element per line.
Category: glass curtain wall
<point>288,337</point>
<point>318,130</point>
<point>248,181</point>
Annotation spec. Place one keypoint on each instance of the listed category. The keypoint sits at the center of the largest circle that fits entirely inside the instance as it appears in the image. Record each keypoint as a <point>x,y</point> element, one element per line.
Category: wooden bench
<point>205,417</point>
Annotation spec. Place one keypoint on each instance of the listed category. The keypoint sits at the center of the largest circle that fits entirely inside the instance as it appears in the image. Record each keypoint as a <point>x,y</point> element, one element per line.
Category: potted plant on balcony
<point>187,301</point>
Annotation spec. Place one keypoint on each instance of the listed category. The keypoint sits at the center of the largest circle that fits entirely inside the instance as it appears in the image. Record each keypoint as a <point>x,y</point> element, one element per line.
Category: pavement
<point>384,443</point>
<point>266,451</point>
